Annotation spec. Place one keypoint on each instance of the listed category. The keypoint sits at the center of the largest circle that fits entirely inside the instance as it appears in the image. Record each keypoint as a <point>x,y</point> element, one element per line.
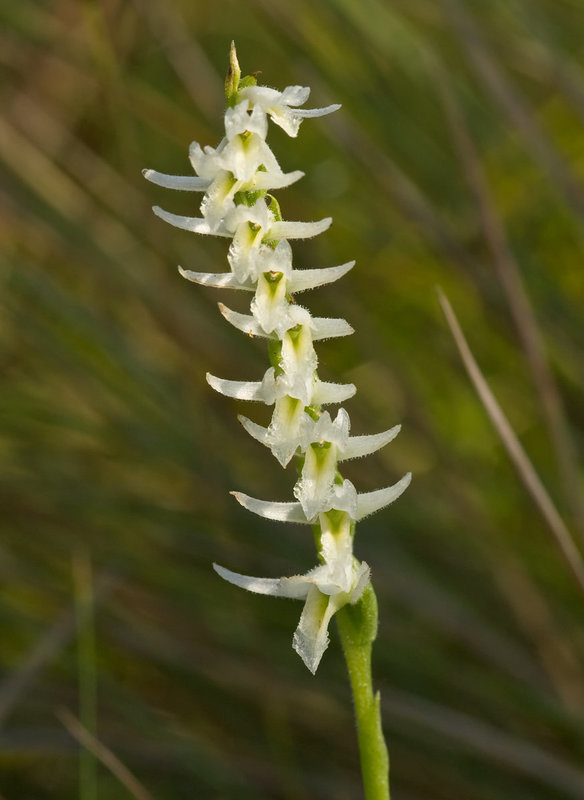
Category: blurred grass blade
<point>554,645</point>
<point>185,55</point>
<point>519,302</point>
<point>472,734</point>
<point>514,105</point>
<point>86,668</point>
<point>513,447</point>
<point>45,650</point>
<point>104,755</point>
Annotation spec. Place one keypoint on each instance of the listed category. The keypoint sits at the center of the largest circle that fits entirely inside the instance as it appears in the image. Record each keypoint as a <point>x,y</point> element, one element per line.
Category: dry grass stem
<point>515,451</point>
<point>519,303</point>
<point>104,755</point>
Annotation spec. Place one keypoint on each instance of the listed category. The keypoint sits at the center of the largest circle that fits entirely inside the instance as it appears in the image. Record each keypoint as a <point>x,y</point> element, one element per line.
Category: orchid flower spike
<point>234,179</point>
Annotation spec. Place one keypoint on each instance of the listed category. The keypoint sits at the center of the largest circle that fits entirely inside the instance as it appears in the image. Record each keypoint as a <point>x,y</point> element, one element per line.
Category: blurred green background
<point>457,160</point>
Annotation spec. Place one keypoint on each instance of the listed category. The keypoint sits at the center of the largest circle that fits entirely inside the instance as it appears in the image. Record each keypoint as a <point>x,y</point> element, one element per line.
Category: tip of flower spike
<point>232,78</point>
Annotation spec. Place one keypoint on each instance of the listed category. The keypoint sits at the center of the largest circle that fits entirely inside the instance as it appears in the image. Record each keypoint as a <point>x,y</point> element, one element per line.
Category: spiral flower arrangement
<point>236,180</point>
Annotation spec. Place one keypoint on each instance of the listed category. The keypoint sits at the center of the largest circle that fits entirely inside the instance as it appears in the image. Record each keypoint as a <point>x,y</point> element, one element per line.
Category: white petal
<point>311,637</point>
<point>295,95</point>
<point>258,123</point>
<point>218,280</point>
<point>360,582</point>
<point>358,446</point>
<point>325,328</point>
<point>218,201</point>
<point>319,500</point>
<point>237,121</point>
<point>267,98</point>
<point>243,322</point>
<point>299,360</point>
<point>324,392</point>
<point>243,158</point>
<point>240,390</point>
<point>269,586</point>
<point>281,512</point>
<point>259,214</point>
<point>277,104</point>
<point>299,386</point>
<point>336,548</point>
<point>286,118</point>
<point>185,183</point>
<point>317,112</point>
<point>314,488</point>
<point>286,431</point>
<point>370,502</point>
<point>299,230</point>
<point>345,498</point>
<point>289,119</point>
<point>340,428</point>
<point>273,387</point>
<point>302,279</point>
<point>258,432</point>
<point>272,180</point>
<point>296,587</point>
<point>325,430</point>
<point>270,305</point>
<point>243,255</point>
<point>194,224</point>
<point>206,163</point>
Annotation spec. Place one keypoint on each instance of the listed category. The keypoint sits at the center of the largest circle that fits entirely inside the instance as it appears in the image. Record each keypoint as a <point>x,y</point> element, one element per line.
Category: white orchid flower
<point>270,305</point>
<point>286,434</point>
<point>298,357</point>
<point>312,390</point>
<point>300,279</point>
<point>282,107</point>
<point>291,316</point>
<point>286,431</point>
<point>311,636</point>
<point>245,118</point>
<point>219,202</point>
<point>241,152</point>
<point>325,589</point>
<point>367,503</point>
<point>249,227</point>
<point>315,489</point>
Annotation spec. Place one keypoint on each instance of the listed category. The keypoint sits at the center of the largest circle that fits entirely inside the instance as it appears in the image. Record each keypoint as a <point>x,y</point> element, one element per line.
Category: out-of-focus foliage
<point>114,447</point>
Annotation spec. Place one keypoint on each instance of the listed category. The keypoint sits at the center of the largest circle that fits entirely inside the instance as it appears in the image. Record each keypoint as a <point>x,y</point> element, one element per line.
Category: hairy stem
<point>358,629</point>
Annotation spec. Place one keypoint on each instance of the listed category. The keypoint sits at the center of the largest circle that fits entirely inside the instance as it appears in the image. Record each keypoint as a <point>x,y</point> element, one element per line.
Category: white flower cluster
<point>235,178</point>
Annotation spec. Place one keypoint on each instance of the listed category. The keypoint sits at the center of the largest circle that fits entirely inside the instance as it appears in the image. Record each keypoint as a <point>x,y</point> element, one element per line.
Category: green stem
<point>358,629</point>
